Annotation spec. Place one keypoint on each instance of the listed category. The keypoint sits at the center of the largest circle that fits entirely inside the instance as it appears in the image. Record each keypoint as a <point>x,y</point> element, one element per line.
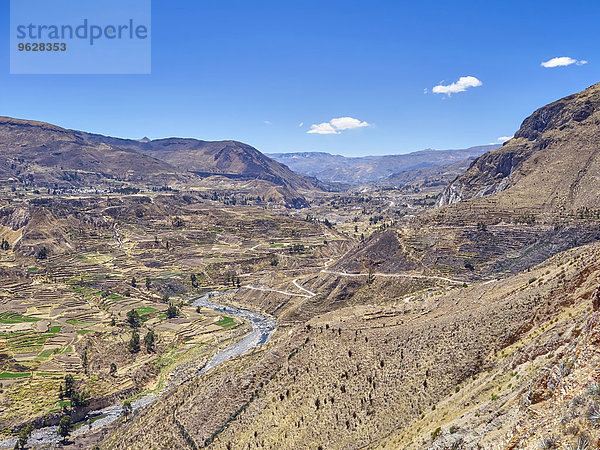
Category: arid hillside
<point>549,168</point>
<point>45,156</point>
<point>229,158</point>
<point>426,370</point>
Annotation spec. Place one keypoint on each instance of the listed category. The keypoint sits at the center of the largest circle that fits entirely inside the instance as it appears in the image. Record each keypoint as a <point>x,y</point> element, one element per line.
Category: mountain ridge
<point>367,169</point>
<point>547,168</point>
<point>52,156</point>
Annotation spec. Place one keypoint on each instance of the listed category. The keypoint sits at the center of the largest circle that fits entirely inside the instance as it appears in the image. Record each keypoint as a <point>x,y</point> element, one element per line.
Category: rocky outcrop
<point>563,135</point>
<point>596,299</point>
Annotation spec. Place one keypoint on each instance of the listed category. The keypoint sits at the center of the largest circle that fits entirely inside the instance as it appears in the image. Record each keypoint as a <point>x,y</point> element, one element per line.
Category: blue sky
<point>254,71</point>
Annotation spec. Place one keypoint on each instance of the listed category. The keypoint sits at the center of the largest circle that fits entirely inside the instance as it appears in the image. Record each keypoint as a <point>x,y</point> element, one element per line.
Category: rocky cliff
<point>551,164</point>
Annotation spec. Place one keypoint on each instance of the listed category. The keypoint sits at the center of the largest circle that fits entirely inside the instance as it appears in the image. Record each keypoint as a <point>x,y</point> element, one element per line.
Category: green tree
<point>149,340</point>
<point>370,276</point>
<point>113,368</point>
<point>79,399</point>
<point>148,283</point>
<point>42,253</point>
<point>134,342</point>
<point>84,360</point>
<point>64,427</point>
<point>172,311</point>
<point>69,386</point>
<point>133,318</point>
<point>133,282</point>
<point>24,435</point>
<point>126,409</point>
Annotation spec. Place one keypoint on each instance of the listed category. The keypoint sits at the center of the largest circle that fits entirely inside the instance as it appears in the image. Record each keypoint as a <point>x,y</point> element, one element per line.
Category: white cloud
<point>347,123</point>
<point>322,128</point>
<point>267,122</point>
<point>504,138</point>
<point>461,85</point>
<point>562,61</point>
<point>301,124</point>
<point>337,125</point>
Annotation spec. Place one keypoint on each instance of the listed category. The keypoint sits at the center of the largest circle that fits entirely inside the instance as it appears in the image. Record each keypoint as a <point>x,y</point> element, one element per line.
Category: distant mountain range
<point>431,175</point>
<point>370,169</point>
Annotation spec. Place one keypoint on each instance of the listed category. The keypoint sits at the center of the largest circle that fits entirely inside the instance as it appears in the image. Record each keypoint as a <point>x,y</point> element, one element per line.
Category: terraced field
<point>69,312</point>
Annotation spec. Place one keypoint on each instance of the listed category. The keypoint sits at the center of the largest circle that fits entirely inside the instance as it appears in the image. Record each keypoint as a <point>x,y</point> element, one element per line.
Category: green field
<point>49,374</point>
<point>226,322</point>
<point>10,318</point>
<point>5,375</point>
<point>27,341</point>
<point>46,353</point>
<point>145,310</point>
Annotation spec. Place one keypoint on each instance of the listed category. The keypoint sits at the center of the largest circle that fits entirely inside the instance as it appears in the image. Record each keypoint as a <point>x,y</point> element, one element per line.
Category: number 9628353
<point>42,47</point>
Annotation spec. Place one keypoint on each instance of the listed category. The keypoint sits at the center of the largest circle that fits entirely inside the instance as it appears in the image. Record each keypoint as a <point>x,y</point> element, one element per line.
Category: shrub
<point>594,415</point>
<point>547,443</point>
<point>594,389</point>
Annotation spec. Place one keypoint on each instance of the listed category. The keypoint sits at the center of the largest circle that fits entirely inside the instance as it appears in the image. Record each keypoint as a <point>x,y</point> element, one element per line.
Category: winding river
<point>262,327</point>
